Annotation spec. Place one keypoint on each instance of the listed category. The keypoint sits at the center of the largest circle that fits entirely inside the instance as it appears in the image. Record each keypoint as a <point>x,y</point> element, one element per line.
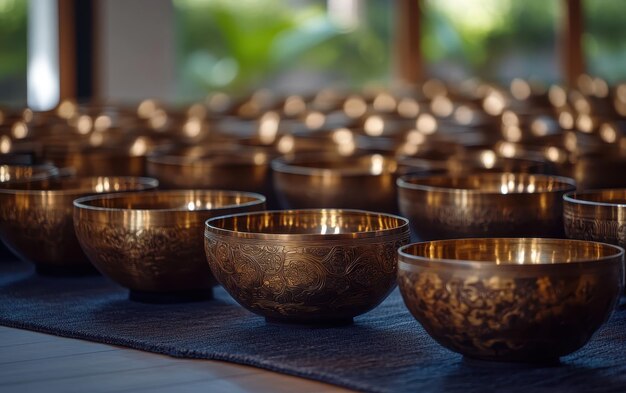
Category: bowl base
<point>311,323</point>
<point>511,364</point>
<point>197,295</point>
<point>66,271</point>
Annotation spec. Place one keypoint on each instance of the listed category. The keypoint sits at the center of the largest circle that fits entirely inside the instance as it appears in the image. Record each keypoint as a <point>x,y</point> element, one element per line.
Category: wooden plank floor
<point>36,362</point>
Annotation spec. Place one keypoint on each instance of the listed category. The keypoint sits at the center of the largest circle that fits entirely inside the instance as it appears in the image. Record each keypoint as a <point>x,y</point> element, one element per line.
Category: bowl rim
<point>43,172</point>
<point>414,260</point>
<point>403,228</point>
<point>567,183</point>
<point>571,197</point>
<point>283,166</point>
<point>147,183</point>
<point>79,203</point>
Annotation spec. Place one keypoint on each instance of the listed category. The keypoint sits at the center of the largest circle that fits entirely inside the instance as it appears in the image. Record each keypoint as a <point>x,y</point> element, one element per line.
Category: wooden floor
<point>35,362</point>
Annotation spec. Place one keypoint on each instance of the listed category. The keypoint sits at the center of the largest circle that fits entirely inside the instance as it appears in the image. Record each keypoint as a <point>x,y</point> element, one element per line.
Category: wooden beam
<point>408,55</point>
<point>573,61</point>
<point>67,50</point>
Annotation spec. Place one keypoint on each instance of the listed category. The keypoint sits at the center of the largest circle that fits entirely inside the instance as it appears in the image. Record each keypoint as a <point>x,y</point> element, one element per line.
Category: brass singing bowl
<point>10,174</point>
<point>100,161</point>
<point>330,181</point>
<point>306,266</point>
<point>206,168</point>
<point>515,299</point>
<point>36,218</point>
<point>152,242</point>
<point>598,215</point>
<point>484,205</point>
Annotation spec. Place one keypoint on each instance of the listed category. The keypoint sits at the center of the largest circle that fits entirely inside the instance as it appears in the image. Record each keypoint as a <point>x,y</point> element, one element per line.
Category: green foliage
<point>13,28</point>
<point>235,45</point>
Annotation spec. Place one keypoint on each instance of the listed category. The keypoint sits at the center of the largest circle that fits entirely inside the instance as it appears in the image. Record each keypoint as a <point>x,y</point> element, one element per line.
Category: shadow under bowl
<point>36,218</point>
<point>306,266</point>
<point>152,242</point>
<point>515,299</point>
<point>484,205</point>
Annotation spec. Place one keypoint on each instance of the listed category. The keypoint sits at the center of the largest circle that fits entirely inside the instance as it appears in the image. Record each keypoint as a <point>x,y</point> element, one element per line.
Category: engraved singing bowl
<point>99,161</point>
<point>207,168</point>
<point>306,266</point>
<point>36,218</point>
<point>329,181</point>
<point>152,242</point>
<point>10,174</point>
<point>484,205</point>
<point>515,299</point>
<point>598,215</point>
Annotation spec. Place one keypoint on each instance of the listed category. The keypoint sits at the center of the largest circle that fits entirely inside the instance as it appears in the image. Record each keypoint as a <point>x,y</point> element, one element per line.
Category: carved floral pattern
<point>305,280</point>
<point>509,317</point>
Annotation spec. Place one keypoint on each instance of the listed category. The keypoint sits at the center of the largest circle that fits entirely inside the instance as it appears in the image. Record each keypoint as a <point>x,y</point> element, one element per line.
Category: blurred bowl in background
<point>330,181</point>
<point>515,300</point>
<point>484,205</point>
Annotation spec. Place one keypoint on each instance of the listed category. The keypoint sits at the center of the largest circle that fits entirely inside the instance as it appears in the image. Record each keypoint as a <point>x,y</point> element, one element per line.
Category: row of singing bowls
<point>152,242</point>
<point>484,205</point>
<point>36,218</point>
<point>598,215</point>
<point>306,266</point>
<point>318,181</point>
<point>515,299</point>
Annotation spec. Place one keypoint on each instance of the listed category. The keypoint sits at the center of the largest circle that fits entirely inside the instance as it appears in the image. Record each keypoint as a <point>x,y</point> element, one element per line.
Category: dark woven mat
<point>385,350</point>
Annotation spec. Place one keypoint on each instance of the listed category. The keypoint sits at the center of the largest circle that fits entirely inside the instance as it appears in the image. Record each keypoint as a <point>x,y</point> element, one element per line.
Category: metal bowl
<point>36,218</point>
<point>152,242</point>
<point>306,266</point>
<point>484,205</point>
<point>11,174</point>
<point>330,181</point>
<point>212,168</point>
<point>598,215</point>
<point>516,299</point>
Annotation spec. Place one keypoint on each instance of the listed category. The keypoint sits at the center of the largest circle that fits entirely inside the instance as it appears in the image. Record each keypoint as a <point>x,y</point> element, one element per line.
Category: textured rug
<point>385,350</point>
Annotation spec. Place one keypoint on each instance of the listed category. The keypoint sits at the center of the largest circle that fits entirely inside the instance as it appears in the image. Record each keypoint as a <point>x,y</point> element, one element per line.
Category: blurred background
<point>181,50</point>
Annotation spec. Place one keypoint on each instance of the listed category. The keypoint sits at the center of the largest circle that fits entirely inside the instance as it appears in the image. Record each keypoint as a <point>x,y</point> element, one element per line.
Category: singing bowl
<point>515,299</point>
<point>36,218</point>
<point>200,168</point>
<point>100,161</point>
<point>11,174</point>
<point>329,181</point>
<point>484,205</point>
<point>306,266</point>
<point>598,215</point>
<point>152,242</point>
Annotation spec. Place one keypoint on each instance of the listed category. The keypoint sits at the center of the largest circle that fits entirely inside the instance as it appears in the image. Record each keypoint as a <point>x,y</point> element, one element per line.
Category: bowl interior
<point>511,251</point>
<point>203,157</point>
<point>496,183</point>
<point>186,200</point>
<point>609,196</point>
<point>317,222</point>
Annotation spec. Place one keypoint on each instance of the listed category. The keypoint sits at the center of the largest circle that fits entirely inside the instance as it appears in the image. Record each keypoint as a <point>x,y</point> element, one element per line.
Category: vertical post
<point>408,55</point>
<point>43,54</point>
<point>67,49</point>
<point>573,63</point>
